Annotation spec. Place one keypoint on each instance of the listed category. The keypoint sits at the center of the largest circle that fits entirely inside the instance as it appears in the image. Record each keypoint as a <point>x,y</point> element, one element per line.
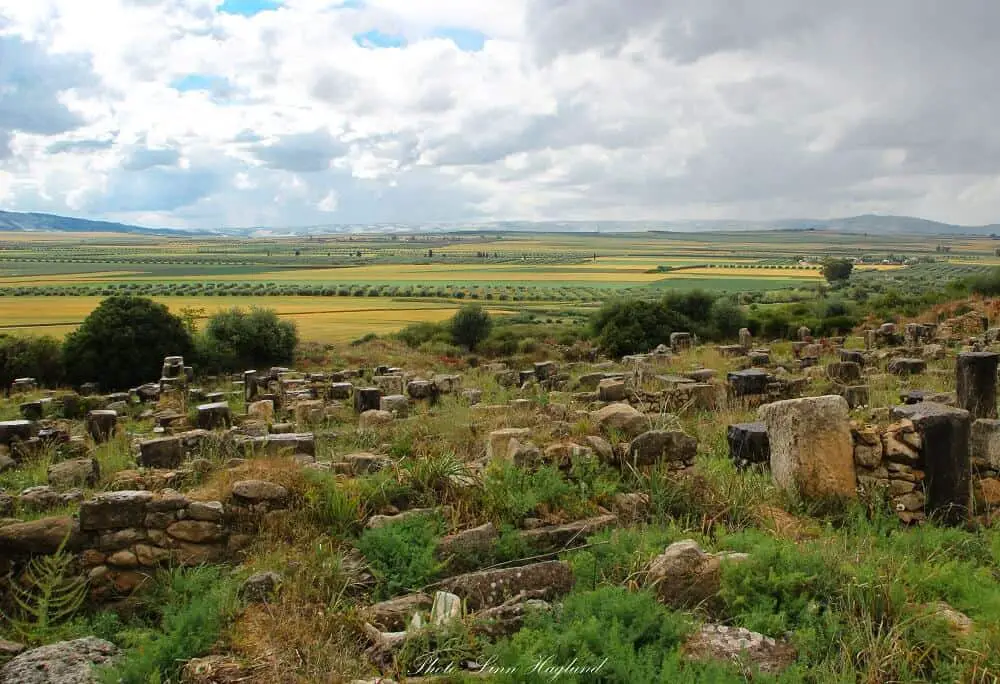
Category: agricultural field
<point>319,319</point>
<point>341,287</point>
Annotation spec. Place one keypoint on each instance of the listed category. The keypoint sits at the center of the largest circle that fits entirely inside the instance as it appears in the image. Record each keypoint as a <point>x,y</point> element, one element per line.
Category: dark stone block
<point>945,434</point>
<point>851,356</point>
<point>367,399</point>
<point>846,372</point>
<point>747,383</point>
<point>748,444</point>
<point>907,366</point>
<point>976,383</point>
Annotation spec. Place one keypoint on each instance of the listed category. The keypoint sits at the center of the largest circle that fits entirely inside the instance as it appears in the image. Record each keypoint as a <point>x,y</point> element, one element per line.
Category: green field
<point>341,287</point>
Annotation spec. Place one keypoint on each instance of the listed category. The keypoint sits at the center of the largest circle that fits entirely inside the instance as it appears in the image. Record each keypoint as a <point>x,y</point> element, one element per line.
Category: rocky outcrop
<point>488,588</point>
<point>739,646</point>
<point>65,662</point>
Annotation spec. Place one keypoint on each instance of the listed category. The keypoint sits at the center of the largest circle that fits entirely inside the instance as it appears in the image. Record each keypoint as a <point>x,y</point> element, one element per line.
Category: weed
<point>401,555</point>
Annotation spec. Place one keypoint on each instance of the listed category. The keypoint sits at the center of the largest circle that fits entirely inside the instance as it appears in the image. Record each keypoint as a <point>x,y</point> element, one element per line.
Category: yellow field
<point>68,278</point>
<point>878,267</point>
<point>754,272</point>
<point>320,319</point>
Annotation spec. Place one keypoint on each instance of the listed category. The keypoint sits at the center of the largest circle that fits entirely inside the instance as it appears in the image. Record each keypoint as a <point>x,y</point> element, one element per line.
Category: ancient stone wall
<point>121,537</point>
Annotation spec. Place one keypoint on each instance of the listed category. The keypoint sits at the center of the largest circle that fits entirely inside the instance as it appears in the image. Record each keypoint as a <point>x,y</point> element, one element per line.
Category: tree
<point>30,357</point>
<point>837,270</point>
<point>470,326</point>
<point>122,343</point>
<point>632,326</point>
<point>236,340</point>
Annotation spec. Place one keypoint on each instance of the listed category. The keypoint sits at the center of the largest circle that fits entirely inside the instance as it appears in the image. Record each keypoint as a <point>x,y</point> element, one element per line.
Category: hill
<point>868,223</point>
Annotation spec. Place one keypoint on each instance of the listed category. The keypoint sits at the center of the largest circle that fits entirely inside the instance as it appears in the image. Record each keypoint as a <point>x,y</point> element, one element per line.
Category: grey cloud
<point>829,89</point>
<point>142,158</point>
<point>156,189</point>
<point>334,86</point>
<point>301,152</point>
<point>80,146</point>
<point>31,80</point>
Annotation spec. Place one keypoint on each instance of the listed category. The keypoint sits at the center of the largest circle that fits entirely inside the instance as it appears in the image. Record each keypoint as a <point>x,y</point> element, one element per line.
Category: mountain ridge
<point>29,222</point>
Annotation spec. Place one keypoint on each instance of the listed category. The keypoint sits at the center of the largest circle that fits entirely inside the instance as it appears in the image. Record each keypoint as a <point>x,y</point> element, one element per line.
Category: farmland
<point>340,287</point>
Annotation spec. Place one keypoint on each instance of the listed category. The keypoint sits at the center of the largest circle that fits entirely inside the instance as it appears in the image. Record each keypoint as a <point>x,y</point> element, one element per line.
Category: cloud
<point>142,158</point>
<point>31,81</point>
<point>301,152</point>
<point>79,146</point>
<point>154,190</point>
<point>257,112</point>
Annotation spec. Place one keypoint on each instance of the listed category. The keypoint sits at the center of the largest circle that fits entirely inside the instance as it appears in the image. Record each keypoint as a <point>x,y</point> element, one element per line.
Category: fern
<point>47,597</point>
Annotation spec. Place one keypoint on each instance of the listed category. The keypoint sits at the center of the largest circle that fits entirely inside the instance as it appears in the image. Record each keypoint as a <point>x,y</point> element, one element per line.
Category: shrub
<point>236,340</point>
<point>122,343</point>
<point>193,605</point>
<point>419,333</point>
<point>470,326</point>
<point>630,326</point>
<point>511,494</point>
<point>401,556</point>
<point>34,357</point>
<point>624,636</point>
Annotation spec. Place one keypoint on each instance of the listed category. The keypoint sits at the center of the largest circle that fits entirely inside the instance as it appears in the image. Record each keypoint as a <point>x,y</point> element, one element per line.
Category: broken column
<point>680,341</point>
<point>976,383</point>
<point>249,385</point>
<point>812,452</point>
<point>944,433</point>
<point>100,424</point>
<point>214,415</point>
<point>746,338</point>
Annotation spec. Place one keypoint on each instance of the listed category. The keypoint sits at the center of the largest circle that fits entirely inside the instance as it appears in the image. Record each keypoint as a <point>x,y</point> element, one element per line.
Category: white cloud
<point>167,111</point>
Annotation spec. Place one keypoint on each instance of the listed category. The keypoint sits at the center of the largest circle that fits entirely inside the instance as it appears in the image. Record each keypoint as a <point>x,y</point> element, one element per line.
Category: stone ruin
<point>935,455</point>
<point>934,459</point>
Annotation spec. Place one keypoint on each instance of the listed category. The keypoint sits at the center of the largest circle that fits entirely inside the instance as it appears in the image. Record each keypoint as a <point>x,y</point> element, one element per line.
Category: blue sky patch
<point>248,8</point>
<point>377,39</point>
<point>209,82</point>
<point>468,40</point>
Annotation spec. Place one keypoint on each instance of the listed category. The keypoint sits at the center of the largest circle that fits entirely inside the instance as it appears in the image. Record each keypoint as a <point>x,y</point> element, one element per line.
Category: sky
<point>243,113</point>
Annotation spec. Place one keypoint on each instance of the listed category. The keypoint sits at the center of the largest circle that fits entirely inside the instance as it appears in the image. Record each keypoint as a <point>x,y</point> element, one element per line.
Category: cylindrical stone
<point>976,383</point>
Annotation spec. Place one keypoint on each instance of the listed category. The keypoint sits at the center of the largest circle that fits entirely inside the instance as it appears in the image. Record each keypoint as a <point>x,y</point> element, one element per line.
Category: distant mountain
<point>34,223</point>
<point>868,223</point>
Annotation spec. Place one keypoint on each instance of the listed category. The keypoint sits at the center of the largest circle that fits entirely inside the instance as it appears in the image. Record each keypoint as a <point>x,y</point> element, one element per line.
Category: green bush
<point>401,556</point>
<point>236,340</point>
<point>470,326</point>
<point>511,494</point>
<point>33,357</point>
<point>123,342</point>
<point>631,326</point>
<point>193,606</point>
<point>416,334</point>
<point>623,637</point>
